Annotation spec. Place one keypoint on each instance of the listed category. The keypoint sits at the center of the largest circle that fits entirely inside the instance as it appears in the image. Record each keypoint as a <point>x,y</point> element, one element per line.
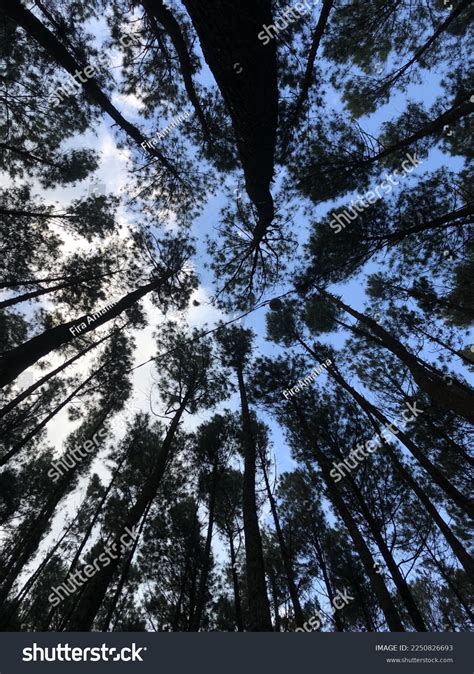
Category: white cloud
<point>128,102</point>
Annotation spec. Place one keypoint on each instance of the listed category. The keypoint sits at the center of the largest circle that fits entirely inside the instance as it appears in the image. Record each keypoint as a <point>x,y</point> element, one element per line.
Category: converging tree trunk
<point>202,588</point>
<point>455,396</point>
<point>285,555</point>
<point>246,74</point>
<point>14,362</point>
<point>96,589</point>
<point>373,413</point>
<point>259,607</point>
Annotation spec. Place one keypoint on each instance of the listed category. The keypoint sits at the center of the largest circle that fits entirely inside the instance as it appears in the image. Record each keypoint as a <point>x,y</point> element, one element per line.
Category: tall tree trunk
<point>285,555</point>
<point>158,11</point>
<point>456,397</point>
<point>386,603</point>
<point>50,279</point>
<point>456,11</point>
<point>124,575</point>
<point>15,361</point>
<point>29,436</point>
<point>43,380</point>
<point>24,297</point>
<point>295,111</point>
<point>400,582</point>
<point>33,26</point>
<point>452,586</point>
<point>202,588</point>
<point>96,589</point>
<point>274,593</point>
<point>373,413</point>
<point>229,41</point>
<point>182,589</point>
<point>259,608</point>
<point>324,570</point>
<point>7,618</point>
<point>192,594</point>
<point>77,555</point>
<point>360,598</point>
<point>455,544</point>
<point>29,541</point>
<point>443,483</point>
<point>235,584</point>
<point>461,108</point>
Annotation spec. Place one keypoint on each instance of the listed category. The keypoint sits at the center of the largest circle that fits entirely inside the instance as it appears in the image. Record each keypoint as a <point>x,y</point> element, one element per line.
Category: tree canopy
<point>236,301</point>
